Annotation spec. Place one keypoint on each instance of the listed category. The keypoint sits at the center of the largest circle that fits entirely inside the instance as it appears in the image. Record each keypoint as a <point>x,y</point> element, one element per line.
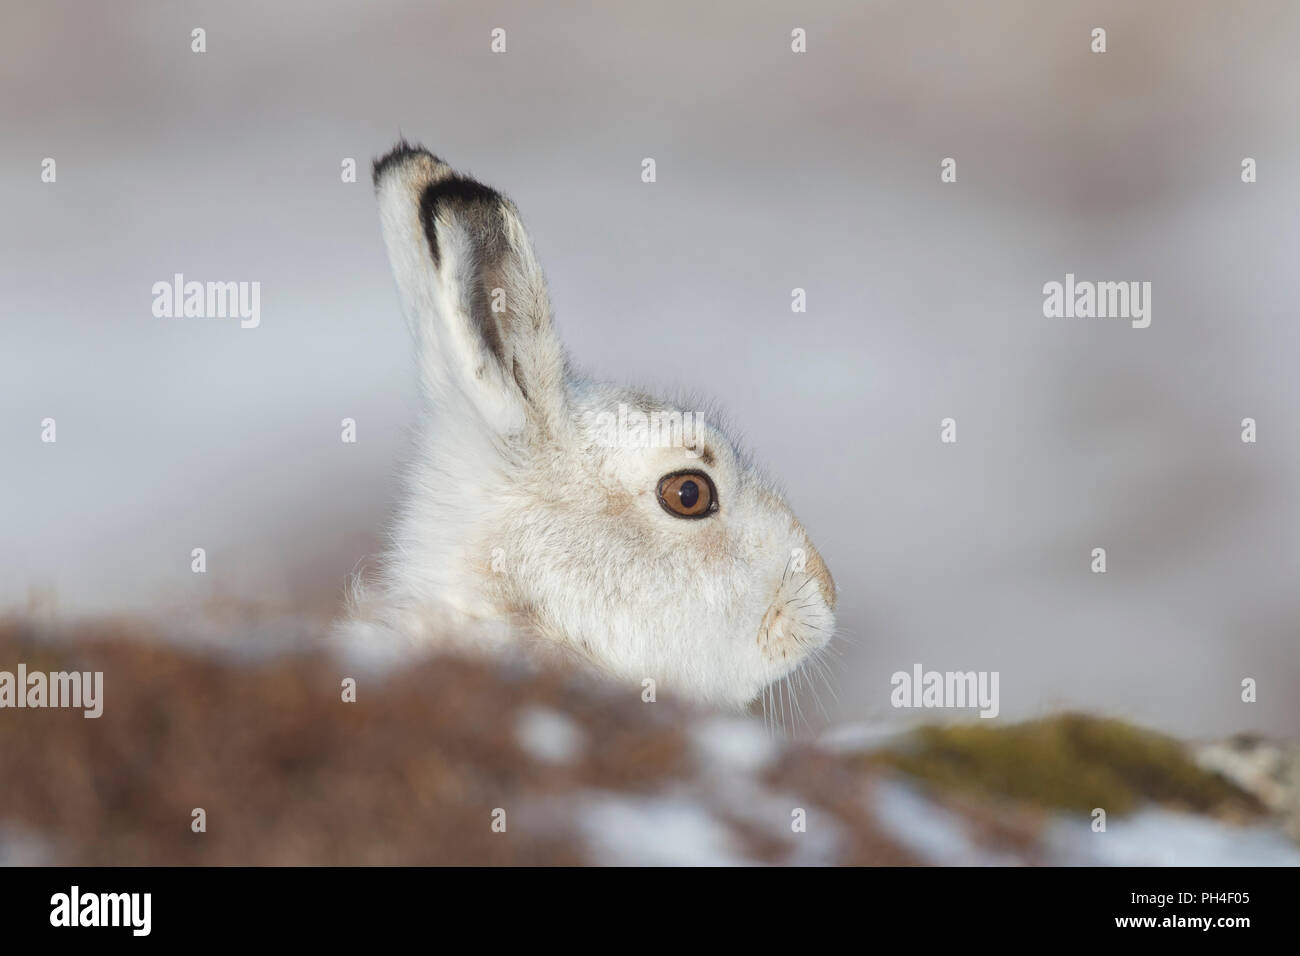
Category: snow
<point>733,744</point>
<point>1157,837</point>
<point>549,736</point>
<point>665,830</point>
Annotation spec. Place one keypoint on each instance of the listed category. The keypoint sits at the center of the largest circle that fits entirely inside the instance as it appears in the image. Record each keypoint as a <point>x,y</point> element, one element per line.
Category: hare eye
<point>688,494</point>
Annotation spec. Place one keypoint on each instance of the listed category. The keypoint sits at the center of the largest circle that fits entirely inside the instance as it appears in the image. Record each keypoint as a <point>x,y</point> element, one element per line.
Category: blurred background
<point>775,171</point>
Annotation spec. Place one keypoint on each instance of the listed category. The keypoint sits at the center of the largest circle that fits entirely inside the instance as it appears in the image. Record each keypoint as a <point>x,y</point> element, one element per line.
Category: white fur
<point>521,527</point>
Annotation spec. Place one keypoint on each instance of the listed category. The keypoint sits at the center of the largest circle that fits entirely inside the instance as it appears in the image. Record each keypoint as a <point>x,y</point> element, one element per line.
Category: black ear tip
<point>396,156</point>
<point>470,195</point>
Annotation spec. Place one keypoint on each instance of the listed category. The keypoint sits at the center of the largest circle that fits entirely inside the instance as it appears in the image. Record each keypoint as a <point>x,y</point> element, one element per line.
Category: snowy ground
<point>434,753</point>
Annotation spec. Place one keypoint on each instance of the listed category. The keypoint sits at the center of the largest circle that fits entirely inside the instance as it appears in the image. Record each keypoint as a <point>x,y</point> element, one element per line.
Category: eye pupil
<point>690,493</point>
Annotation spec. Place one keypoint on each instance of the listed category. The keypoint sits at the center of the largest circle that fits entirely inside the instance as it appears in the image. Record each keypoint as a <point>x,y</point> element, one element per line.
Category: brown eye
<point>688,494</point>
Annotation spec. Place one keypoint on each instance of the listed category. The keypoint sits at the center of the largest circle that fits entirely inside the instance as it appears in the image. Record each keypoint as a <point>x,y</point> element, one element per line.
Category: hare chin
<point>525,523</point>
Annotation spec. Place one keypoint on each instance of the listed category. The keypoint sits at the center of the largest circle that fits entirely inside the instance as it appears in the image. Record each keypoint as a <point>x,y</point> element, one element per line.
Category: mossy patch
<point>1068,762</point>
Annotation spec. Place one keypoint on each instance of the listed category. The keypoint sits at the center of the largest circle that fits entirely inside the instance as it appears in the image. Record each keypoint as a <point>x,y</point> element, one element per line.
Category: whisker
<point>824,671</point>
<point>794,699</point>
<point>812,686</point>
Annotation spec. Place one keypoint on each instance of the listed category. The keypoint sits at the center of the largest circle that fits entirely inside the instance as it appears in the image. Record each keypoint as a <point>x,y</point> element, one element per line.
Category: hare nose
<point>816,568</point>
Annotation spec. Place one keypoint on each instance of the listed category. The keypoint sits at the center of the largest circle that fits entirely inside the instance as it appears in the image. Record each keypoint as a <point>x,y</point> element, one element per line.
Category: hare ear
<point>472,291</point>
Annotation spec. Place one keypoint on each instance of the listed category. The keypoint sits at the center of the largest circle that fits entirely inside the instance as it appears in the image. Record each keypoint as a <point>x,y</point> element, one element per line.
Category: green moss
<point>1068,762</point>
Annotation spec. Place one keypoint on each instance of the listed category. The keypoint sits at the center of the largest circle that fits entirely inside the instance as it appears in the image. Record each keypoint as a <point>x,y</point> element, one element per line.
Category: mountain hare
<point>546,511</point>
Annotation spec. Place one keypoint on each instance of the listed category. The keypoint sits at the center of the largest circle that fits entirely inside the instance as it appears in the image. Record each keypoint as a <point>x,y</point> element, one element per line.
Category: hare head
<point>625,530</point>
